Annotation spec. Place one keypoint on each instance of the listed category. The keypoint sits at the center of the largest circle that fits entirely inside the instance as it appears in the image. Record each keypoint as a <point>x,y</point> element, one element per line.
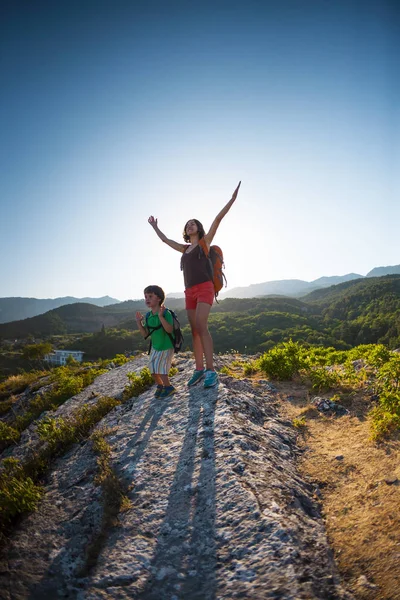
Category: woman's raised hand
<point>153,221</point>
<point>235,193</point>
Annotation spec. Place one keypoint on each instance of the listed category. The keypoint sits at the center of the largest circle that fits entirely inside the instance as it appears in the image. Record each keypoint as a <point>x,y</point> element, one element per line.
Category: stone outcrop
<point>217,508</point>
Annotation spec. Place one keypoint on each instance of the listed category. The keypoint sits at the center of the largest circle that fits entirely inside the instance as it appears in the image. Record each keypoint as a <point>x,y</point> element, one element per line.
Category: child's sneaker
<point>195,378</point>
<point>211,379</point>
<point>167,391</point>
<point>158,391</point>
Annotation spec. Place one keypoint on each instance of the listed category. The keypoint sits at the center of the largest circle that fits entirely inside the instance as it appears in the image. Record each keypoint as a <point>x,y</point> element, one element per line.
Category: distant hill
<point>16,308</point>
<point>369,288</point>
<point>365,311</point>
<point>286,287</point>
<point>78,318</point>
<point>299,288</point>
<point>379,271</point>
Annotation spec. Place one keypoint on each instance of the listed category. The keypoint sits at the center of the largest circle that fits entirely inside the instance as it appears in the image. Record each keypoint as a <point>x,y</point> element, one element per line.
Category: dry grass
<point>18,383</point>
<point>359,493</point>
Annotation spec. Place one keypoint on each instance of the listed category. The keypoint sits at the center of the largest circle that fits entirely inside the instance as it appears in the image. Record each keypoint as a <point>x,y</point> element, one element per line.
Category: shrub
<point>5,405</point>
<point>18,494</point>
<point>299,423</point>
<point>249,368</point>
<point>8,434</point>
<point>59,432</point>
<point>383,423</point>
<point>67,384</point>
<point>138,383</point>
<point>322,379</point>
<point>283,361</point>
<point>119,359</point>
<point>56,431</point>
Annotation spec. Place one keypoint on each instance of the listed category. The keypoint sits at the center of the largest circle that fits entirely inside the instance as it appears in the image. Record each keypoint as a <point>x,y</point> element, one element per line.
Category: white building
<point>59,357</point>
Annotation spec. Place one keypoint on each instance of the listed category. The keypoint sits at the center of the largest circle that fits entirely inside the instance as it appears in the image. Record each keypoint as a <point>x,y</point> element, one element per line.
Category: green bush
<point>5,405</point>
<point>18,494</point>
<point>60,432</point>
<point>250,367</point>
<point>120,359</point>
<point>67,382</point>
<point>383,423</point>
<point>138,383</point>
<point>56,431</point>
<point>283,361</point>
<point>8,434</point>
<point>321,379</point>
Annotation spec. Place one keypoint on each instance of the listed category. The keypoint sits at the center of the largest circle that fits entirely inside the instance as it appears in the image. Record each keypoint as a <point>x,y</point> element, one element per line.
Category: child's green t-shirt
<point>160,339</point>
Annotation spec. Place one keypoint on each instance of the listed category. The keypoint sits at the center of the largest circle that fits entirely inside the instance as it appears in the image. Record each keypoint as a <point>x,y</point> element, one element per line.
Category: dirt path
<point>357,483</point>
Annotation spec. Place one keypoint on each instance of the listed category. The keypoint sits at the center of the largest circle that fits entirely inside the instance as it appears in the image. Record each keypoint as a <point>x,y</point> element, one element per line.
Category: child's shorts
<point>160,361</point>
<point>202,292</point>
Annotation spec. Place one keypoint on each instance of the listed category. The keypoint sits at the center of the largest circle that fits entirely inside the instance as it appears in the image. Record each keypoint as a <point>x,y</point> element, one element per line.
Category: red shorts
<point>202,292</point>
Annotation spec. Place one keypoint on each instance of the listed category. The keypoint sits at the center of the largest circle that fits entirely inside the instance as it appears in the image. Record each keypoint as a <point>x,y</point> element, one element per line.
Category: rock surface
<point>218,508</point>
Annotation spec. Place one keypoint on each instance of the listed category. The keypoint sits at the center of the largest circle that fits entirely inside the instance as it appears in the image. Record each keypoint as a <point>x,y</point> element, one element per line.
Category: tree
<point>36,351</point>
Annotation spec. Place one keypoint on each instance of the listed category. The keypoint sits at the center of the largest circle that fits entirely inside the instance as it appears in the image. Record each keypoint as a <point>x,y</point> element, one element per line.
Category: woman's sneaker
<point>167,391</point>
<point>195,378</point>
<point>158,391</point>
<point>211,379</point>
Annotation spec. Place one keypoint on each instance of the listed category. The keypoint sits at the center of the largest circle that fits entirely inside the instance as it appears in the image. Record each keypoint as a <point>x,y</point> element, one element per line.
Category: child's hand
<point>152,221</point>
<point>139,317</point>
<point>161,309</point>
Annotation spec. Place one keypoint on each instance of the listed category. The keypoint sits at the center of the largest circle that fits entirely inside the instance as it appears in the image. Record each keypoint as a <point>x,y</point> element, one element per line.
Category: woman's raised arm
<point>215,224</point>
<point>163,237</point>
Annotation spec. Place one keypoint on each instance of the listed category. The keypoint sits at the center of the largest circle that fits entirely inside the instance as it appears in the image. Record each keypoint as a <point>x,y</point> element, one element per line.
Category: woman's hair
<point>200,230</point>
<point>155,289</point>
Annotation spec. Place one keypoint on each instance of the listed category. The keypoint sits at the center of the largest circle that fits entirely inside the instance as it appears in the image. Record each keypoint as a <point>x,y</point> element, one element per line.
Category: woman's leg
<point>197,344</point>
<point>201,326</point>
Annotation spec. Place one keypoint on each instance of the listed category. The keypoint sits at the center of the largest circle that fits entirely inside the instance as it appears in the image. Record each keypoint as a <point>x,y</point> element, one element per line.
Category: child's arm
<point>213,229</point>
<point>163,237</point>
<point>139,321</point>
<point>168,327</point>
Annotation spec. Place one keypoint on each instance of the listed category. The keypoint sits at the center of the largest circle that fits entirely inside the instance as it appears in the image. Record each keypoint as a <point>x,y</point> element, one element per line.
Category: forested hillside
<point>363,311</point>
<point>345,315</point>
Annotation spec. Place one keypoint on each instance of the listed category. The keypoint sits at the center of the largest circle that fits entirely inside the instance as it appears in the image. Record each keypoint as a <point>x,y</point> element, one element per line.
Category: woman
<point>199,289</point>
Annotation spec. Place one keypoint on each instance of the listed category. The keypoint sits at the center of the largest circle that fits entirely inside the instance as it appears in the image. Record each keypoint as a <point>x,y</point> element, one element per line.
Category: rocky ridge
<point>217,508</point>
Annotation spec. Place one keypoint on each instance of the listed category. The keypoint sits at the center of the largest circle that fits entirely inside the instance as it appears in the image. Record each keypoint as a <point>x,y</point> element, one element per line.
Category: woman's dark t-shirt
<point>196,267</point>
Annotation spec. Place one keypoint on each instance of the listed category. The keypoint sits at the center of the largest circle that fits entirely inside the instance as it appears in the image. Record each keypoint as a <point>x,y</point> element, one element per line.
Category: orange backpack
<point>216,259</point>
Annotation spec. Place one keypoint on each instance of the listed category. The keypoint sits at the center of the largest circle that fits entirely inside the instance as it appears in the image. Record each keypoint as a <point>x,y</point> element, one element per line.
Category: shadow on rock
<point>184,562</point>
<point>89,531</point>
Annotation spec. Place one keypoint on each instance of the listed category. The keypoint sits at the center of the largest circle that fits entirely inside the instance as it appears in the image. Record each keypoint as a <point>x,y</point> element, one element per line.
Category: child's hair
<point>200,230</point>
<point>155,289</point>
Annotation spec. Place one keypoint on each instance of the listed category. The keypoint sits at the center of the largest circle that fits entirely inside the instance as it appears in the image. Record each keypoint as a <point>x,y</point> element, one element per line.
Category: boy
<point>159,324</point>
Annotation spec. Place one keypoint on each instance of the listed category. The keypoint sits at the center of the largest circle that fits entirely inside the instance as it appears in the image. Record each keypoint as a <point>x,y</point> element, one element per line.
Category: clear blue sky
<point>113,111</point>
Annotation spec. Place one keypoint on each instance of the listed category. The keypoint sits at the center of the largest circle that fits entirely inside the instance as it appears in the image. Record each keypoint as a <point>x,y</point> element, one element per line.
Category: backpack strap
<point>203,246</point>
<point>150,329</point>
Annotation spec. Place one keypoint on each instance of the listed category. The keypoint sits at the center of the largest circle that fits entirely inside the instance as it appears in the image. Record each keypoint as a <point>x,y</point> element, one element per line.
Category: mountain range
<point>298,287</point>
<point>16,309</point>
